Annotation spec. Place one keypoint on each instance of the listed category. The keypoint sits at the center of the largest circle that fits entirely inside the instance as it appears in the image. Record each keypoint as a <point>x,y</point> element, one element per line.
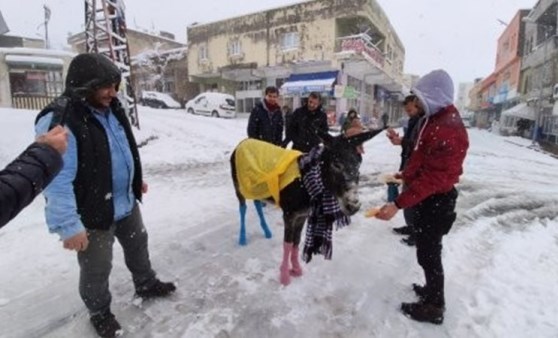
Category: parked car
<point>212,104</point>
<point>158,100</point>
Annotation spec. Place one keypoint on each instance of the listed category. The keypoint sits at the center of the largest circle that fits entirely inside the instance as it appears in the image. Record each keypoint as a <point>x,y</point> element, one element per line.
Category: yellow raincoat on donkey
<point>263,169</point>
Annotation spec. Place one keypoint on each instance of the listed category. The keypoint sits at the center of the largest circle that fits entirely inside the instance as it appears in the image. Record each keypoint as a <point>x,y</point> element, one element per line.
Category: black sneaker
<point>423,312</point>
<point>410,241</point>
<point>158,289</point>
<point>106,325</point>
<point>404,230</point>
<point>420,291</point>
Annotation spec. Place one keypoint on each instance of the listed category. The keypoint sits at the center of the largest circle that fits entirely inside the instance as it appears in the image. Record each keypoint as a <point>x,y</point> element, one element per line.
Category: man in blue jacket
<point>94,198</point>
<point>23,179</point>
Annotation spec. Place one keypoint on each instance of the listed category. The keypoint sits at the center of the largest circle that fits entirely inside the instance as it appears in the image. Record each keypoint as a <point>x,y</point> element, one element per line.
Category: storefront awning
<point>299,84</point>
<point>521,110</point>
<point>34,62</point>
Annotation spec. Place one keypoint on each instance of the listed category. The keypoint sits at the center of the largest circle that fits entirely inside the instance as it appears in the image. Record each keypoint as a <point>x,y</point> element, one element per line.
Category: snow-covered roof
<point>36,51</point>
<point>42,60</point>
<point>170,54</point>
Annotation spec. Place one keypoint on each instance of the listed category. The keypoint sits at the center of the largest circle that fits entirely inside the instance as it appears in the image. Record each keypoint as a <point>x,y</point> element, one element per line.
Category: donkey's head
<point>341,161</point>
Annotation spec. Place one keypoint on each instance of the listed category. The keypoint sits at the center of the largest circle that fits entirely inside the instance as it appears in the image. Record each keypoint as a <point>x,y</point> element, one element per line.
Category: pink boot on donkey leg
<point>285,277</point>
<point>296,271</point>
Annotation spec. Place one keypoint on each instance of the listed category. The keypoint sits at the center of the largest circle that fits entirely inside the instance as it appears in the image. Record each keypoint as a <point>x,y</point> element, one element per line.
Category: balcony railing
<point>361,44</point>
<point>31,102</point>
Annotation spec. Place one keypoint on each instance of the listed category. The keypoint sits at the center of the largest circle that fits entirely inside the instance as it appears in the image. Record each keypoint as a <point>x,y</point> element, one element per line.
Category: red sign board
<point>358,45</point>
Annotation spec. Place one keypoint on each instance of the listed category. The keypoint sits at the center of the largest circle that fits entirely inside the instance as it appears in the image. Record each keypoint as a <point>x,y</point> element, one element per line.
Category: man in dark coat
<point>266,120</point>
<point>23,179</point>
<point>407,144</point>
<point>305,124</point>
<point>430,175</point>
<point>95,197</point>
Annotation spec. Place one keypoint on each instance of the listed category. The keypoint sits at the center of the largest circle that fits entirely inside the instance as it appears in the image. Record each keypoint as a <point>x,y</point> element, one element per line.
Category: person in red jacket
<point>430,176</point>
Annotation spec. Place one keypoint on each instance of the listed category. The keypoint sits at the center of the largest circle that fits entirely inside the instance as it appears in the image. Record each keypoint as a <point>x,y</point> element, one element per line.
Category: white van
<point>212,104</point>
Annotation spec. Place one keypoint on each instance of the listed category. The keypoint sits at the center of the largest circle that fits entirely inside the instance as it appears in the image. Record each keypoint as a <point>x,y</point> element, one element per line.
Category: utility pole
<point>47,19</point>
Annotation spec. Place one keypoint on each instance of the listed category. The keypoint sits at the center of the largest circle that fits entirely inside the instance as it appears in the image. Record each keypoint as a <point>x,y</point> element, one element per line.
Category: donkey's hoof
<point>268,234</point>
<point>296,272</point>
<point>242,242</point>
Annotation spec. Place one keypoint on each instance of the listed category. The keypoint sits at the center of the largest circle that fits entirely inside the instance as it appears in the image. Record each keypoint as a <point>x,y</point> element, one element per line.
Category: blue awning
<point>301,84</point>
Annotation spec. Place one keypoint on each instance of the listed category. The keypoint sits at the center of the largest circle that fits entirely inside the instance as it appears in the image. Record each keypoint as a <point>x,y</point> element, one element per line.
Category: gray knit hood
<point>435,91</point>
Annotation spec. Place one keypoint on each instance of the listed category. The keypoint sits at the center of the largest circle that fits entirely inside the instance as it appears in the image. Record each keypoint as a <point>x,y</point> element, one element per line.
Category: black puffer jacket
<point>304,126</point>
<point>23,179</point>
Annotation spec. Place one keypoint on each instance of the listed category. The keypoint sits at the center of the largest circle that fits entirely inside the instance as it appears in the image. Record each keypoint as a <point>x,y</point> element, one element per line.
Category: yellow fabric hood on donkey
<point>263,169</point>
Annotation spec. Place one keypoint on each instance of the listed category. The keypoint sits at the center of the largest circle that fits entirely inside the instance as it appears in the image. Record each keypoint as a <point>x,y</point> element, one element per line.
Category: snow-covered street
<point>500,258</point>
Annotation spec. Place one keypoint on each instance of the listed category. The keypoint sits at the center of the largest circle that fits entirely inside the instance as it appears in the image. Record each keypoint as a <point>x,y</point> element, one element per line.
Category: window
<point>289,41</point>
<point>249,104</point>
<point>249,85</point>
<point>240,106</point>
<point>39,83</point>
<point>203,53</point>
<point>200,99</point>
<point>235,48</point>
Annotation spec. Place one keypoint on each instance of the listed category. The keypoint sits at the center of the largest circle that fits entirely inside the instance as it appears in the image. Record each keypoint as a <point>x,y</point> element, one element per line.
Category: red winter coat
<point>437,160</point>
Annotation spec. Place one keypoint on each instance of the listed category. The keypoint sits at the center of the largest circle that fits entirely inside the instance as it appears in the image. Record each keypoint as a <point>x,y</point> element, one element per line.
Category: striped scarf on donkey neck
<point>324,210</point>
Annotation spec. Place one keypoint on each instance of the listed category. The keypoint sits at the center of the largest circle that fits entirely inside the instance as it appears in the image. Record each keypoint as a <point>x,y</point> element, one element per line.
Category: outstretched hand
<point>387,212</point>
<point>57,138</point>
<point>393,136</point>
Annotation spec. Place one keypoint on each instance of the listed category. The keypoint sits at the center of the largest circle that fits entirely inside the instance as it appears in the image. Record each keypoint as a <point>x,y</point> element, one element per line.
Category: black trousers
<point>432,219</point>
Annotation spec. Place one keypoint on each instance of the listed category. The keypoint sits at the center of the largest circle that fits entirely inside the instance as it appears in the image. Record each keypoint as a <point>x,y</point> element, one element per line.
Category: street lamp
<point>539,111</point>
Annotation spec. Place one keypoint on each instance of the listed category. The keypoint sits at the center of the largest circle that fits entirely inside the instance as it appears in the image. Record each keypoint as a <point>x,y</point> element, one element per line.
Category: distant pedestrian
<point>352,115</point>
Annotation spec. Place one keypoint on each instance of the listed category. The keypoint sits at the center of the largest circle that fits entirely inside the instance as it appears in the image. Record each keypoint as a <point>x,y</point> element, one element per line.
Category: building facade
<point>32,76</point>
<point>500,90</point>
<point>539,70</point>
<point>463,101</point>
<point>346,50</point>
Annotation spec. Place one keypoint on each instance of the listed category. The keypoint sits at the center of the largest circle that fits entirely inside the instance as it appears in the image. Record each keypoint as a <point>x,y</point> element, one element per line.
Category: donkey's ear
<point>363,137</point>
<point>325,136</point>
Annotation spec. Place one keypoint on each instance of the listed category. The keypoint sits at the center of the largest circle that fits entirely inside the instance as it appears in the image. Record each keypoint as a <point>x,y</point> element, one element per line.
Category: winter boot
<point>424,312</point>
<point>157,289</point>
<point>106,325</point>
<point>404,230</point>
<point>285,277</point>
<point>410,241</point>
<point>296,270</point>
<point>420,291</point>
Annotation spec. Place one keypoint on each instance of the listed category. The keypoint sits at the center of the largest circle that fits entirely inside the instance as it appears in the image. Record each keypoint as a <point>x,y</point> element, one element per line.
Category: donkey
<point>339,162</point>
